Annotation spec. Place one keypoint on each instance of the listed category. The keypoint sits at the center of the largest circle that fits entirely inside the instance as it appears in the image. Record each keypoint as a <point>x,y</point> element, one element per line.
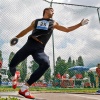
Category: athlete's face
<point>50,13</point>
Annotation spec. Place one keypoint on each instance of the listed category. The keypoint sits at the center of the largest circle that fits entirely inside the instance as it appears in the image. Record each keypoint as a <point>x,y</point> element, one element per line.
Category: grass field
<point>52,89</point>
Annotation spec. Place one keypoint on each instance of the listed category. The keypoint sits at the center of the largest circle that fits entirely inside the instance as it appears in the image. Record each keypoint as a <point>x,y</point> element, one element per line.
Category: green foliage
<point>23,70</point>
<point>69,62</point>
<point>9,98</point>
<point>61,66</point>
<point>1,56</point>
<point>3,71</point>
<point>53,89</point>
<point>73,63</point>
<point>80,61</point>
<point>47,75</point>
<point>34,66</point>
<point>10,58</point>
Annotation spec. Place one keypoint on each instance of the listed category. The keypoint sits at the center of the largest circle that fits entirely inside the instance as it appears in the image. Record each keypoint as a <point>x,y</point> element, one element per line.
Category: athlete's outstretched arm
<point>68,29</point>
<point>25,31</point>
<point>14,40</point>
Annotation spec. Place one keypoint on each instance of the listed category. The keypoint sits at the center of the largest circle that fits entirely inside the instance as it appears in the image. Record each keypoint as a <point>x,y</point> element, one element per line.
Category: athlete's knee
<point>46,63</point>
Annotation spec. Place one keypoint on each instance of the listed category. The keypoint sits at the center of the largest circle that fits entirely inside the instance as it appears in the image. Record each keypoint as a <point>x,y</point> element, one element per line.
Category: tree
<point>34,66</point>
<point>61,66</point>
<point>1,59</point>
<point>69,62</point>
<point>11,56</point>
<point>9,60</point>
<point>23,70</point>
<point>76,62</point>
<point>73,63</point>
<point>80,61</point>
<point>47,75</point>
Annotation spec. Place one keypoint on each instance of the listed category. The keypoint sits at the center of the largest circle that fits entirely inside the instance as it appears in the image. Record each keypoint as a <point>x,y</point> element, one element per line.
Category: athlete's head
<point>48,12</point>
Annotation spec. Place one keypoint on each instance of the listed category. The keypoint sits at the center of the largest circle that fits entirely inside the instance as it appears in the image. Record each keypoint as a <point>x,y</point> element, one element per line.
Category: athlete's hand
<point>84,22</point>
<point>13,41</point>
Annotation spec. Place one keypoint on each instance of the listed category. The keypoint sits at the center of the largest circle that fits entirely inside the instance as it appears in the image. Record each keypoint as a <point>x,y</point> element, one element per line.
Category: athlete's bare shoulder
<point>55,24</point>
<point>33,23</point>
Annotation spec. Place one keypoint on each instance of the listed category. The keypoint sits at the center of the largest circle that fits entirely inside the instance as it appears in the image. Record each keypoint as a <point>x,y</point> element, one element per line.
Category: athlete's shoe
<point>15,79</point>
<point>26,94</point>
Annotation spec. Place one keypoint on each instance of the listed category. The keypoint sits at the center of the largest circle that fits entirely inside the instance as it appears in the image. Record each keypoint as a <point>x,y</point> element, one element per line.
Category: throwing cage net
<point>65,50</point>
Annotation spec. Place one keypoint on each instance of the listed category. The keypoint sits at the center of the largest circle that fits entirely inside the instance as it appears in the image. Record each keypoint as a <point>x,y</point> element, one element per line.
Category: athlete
<point>42,30</point>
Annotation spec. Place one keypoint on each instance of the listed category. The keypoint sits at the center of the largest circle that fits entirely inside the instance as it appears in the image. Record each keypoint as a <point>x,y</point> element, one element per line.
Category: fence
<point>77,48</point>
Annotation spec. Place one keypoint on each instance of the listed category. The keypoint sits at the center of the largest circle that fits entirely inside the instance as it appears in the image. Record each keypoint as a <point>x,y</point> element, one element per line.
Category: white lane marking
<point>85,96</point>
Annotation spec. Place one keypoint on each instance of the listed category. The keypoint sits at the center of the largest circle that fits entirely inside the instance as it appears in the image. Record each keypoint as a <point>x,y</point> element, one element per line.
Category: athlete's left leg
<point>43,60</point>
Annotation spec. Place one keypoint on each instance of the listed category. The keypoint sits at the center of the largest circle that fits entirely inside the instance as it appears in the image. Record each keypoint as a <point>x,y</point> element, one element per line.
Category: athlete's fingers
<point>84,22</point>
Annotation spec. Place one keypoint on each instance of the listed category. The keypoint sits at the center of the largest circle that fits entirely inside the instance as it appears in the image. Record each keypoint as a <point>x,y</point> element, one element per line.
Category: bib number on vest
<point>43,25</point>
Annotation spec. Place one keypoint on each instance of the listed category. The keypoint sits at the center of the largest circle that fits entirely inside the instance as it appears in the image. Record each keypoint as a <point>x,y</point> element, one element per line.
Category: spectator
<point>0,64</point>
<point>0,78</point>
<point>98,73</point>
<point>58,76</point>
<point>67,76</point>
<point>65,80</point>
<point>78,80</point>
<point>64,77</point>
<point>79,76</point>
<point>57,80</point>
<point>92,79</point>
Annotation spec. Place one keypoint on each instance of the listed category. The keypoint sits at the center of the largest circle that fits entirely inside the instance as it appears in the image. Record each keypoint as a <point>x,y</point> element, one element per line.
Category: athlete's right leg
<point>21,55</point>
<point>18,57</point>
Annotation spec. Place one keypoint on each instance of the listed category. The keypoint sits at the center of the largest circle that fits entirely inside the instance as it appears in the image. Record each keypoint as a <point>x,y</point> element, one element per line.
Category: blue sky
<point>16,15</point>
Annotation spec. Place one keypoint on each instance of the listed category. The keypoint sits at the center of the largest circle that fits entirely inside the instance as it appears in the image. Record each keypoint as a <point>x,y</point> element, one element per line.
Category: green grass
<point>67,90</point>
<point>52,89</point>
<point>9,98</point>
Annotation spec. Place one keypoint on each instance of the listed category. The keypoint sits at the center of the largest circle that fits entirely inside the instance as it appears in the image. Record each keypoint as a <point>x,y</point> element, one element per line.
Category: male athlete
<point>41,32</point>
